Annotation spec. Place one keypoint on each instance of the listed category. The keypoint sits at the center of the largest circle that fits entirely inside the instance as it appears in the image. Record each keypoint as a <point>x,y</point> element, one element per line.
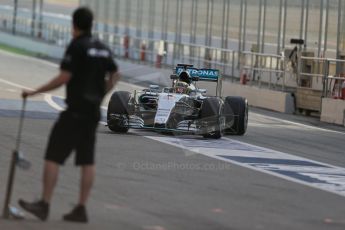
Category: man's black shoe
<point>40,209</point>
<point>78,214</point>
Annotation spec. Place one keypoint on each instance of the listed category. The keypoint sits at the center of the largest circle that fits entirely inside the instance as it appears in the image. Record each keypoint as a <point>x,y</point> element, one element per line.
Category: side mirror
<point>195,78</point>
<point>154,87</point>
<point>167,90</point>
<point>173,77</point>
<point>202,91</point>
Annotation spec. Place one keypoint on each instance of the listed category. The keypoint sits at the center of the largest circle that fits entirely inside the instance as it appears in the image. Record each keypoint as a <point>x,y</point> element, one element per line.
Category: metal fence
<point>334,82</point>
<point>259,68</point>
<point>241,37</point>
<point>263,26</point>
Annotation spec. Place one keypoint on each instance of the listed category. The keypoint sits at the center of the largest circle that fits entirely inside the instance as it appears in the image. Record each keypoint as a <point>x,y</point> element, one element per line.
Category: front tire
<point>118,112</point>
<point>236,115</point>
<point>212,112</point>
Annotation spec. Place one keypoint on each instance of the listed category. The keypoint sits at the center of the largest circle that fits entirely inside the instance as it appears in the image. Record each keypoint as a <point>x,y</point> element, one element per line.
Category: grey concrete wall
<point>31,45</point>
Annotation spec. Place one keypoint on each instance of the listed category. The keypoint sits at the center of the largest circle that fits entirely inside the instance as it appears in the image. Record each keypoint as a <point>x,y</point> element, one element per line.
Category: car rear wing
<point>202,74</point>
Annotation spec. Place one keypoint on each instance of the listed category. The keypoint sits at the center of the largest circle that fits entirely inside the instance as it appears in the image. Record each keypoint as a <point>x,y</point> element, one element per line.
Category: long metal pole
<point>177,18</point>
<point>258,39</point>
<point>167,20</point>
<point>97,17</point>
<point>279,27</point>
<point>12,171</point>
<point>164,19</point>
<point>302,19</point>
<point>224,39</point>
<point>223,25</point>
<point>284,23</point>
<point>40,20</point>
<point>106,20</point>
<point>195,22</point>
<point>264,27</point>
<point>151,18</point>
<point>14,19</point>
<point>339,30</point>
<point>240,30</point>
<point>117,17</point>
<point>326,28</point>
<point>306,27</point>
<point>140,18</point>
<point>10,182</point>
<point>227,25</point>
<point>128,16</point>
<point>211,25</point>
<point>192,34</point>
<point>343,28</point>
<point>33,19</point>
<point>194,18</point>
<point>180,22</point>
<point>320,28</point>
<point>180,49</point>
<point>207,21</point>
<point>244,42</point>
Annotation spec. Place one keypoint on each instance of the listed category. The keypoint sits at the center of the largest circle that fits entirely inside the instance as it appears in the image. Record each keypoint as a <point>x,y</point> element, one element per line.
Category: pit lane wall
<point>263,98</point>
<point>259,97</point>
<point>333,111</point>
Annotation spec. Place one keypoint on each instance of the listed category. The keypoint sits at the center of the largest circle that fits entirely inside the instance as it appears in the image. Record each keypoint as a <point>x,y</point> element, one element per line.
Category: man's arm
<point>111,80</point>
<point>61,79</point>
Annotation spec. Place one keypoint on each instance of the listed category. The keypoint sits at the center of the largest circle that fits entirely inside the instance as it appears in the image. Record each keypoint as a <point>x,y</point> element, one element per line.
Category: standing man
<point>89,72</point>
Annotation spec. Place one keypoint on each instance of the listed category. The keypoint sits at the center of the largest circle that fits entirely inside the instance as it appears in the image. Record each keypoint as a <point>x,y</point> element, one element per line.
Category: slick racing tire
<point>118,111</point>
<point>212,112</point>
<point>236,115</point>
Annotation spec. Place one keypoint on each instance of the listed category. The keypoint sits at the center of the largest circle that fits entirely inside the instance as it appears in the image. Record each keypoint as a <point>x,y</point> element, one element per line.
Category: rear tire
<point>212,109</point>
<point>236,114</point>
<point>118,106</point>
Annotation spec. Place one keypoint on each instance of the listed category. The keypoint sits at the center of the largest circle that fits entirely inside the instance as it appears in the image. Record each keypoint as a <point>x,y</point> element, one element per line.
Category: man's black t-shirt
<point>88,60</point>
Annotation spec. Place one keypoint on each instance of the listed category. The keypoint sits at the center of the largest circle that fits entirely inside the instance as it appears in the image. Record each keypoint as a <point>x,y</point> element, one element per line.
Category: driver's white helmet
<point>181,87</point>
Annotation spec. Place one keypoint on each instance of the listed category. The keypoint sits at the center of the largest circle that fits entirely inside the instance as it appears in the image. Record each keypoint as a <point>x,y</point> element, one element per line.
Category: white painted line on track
<point>23,57</point>
<point>299,124</point>
<point>293,168</point>
<point>11,90</point>
<point>14,84</point>
<point>49,99</point>
<point>270,126</point>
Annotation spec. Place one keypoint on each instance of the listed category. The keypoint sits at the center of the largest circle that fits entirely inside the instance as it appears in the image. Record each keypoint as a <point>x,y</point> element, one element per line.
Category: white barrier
<point>263,98</point>
<point>259,97</point>
<point>333,111</point>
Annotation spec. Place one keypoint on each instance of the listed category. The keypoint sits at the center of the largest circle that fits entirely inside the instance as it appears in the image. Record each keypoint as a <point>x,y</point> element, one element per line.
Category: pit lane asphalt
<point>134,190</point>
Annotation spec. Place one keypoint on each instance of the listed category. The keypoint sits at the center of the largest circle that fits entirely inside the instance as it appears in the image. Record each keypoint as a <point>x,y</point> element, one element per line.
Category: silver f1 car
<point>181,108</point>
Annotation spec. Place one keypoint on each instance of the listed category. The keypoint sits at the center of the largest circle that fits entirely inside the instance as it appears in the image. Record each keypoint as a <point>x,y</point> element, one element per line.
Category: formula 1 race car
<point>181,108</point>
